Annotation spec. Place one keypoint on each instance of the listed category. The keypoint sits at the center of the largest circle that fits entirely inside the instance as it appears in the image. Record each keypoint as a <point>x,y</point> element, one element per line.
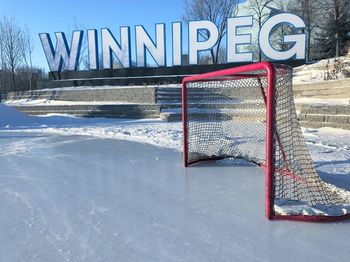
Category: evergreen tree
<point>333,28</point>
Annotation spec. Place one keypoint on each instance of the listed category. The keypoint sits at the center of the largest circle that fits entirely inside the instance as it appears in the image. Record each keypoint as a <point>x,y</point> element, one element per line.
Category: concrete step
<point>324,124</point>
<point>118,111</point>
<point>126,94</point>
<point>325,109</point>
<point>326,89</point>
<point>199,99</point>
<point>217,105</point>
<point>317,116</point>
<point>228,116</point>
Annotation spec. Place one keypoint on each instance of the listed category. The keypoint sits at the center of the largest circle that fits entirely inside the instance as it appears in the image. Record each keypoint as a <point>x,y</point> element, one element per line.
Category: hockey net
<point>248,112</point>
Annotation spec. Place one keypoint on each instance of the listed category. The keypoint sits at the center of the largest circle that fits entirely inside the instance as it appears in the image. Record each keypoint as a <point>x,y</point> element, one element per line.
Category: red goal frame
<point>237,73</point>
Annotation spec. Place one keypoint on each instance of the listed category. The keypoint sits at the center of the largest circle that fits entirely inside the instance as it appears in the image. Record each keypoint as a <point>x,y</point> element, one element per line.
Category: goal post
<point>248,112</point>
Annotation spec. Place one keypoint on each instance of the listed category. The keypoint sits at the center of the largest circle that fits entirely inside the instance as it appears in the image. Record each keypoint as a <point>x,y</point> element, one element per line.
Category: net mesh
<point>226,117</point>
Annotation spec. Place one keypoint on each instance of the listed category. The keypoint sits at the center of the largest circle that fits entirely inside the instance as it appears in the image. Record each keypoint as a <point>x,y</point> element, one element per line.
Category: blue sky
<point>52,16</point>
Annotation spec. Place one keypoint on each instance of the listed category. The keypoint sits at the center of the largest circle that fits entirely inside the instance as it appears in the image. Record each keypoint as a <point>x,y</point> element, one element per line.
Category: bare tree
<point>27,52</point>
<point>216,11</point>
<point>16,49</point>
<point>309,11</point>
<point>205,59</point>
<point>2,64</point>
<point>260,11</point>
<point>12,45</point>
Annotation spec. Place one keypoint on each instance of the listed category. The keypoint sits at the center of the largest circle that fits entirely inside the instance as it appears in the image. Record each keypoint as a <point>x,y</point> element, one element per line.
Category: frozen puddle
<point>79,198</point>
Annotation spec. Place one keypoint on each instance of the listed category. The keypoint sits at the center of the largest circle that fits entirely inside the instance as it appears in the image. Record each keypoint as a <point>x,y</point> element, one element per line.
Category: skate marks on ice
<point>78,198</point>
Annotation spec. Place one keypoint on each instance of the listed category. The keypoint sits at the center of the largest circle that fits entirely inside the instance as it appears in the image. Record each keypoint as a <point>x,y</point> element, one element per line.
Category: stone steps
<point>142,94</point>
<point>314,116</point>
<point>327,89</point>
<point>135,102</point>
<point>166,102</point>
<point>170,101</point>
<point>317,116</point>
<point>116,111</point>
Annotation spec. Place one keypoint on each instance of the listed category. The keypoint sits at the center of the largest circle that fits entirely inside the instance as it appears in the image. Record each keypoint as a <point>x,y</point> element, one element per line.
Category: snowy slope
<point>12,118</point>
<point>31,102</point>
<point>152,131</point>
<point>331,69</point>
<point>330,148</point>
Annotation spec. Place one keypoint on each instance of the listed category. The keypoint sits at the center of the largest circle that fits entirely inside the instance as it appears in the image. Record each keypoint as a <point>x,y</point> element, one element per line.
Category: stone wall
<point>327,89</point>
<point>140,95</point>
<point>316,116</point>
<point>106,110</point>
<point>324,114</point>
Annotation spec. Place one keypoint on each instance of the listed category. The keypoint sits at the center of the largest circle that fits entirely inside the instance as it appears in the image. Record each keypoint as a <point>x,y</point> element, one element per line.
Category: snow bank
<point>50,102</point>
<point>154,132</point>
<point>12,118</point>
<point>151,131</point>
<point>322,101</point>
<point>335,68</point>
<point>330,148</point>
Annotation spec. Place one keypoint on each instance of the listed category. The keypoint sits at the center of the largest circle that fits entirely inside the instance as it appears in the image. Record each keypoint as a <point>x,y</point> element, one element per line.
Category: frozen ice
<point>74,189</point>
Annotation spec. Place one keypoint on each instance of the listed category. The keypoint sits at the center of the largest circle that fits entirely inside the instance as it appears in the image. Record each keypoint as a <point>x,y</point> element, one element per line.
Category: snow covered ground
<point>73,189</point>
<point>51,102</point>
<point>326,144</point>
<point>327,69</point>
<point>321,101</point>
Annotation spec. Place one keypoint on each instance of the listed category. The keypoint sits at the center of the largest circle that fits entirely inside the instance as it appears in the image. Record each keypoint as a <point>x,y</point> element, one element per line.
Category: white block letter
<point>93,49</point>
<point>144,42</point>
<point>194,44</point>
<point>298,50</point>
<point>234,39</point>
<point>110,46</point>
<point>63,56</point>
<point>177,43</point>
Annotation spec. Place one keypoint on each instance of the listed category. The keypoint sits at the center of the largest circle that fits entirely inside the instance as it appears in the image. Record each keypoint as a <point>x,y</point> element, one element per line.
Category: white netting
<point>226,117</point>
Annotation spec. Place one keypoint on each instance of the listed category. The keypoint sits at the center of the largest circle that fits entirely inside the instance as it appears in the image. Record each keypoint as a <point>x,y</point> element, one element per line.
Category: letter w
<point>62,57</point>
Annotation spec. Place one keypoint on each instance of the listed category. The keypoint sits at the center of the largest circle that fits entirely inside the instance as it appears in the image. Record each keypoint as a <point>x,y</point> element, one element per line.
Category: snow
<point>38,102</point>
<point>72,189</point>
<point>327,69</point>
<point>326,144</point>
<point>10,117</point>
<point>330,150</point>
<point>293,207</point>
<point>322,101</point>
<point>151,131</point>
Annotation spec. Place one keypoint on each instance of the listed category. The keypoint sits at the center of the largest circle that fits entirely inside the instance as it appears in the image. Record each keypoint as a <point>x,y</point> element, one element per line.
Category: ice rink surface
<point>79,198</point>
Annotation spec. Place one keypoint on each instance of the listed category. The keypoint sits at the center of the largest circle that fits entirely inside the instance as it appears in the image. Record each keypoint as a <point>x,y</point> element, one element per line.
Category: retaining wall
<point>142,94</point>
<point>150,101</point>
<point>327,89</point>
<point>324,114</point>
<point>316,116</point>
<point>115,111</point>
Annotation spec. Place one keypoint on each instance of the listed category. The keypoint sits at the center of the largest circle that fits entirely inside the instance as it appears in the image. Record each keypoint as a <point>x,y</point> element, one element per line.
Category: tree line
<point>17,72</point>
<point>327,24</point>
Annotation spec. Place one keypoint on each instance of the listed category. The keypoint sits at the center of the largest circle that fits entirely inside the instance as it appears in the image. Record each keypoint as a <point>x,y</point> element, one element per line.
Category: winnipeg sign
<point>66,56</point>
